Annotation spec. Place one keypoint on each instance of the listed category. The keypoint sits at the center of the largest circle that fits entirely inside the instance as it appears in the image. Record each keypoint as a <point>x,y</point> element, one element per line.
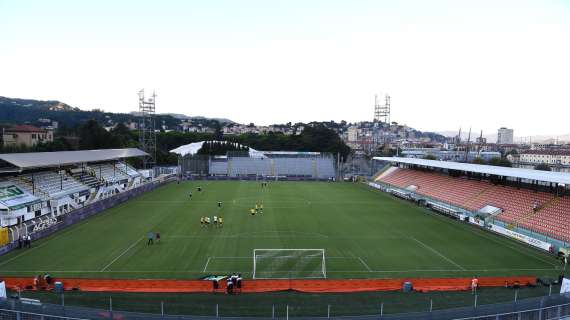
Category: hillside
<point>16,111</point>
<point>50,105</point>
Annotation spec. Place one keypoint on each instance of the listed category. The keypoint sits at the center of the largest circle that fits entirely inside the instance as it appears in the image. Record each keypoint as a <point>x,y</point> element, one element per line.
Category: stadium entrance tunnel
<point>253,286</point>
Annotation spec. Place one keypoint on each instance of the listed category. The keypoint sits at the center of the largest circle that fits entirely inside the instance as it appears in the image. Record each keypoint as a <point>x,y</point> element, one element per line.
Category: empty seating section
<point>243,166</point>
<point>125,168</point>
<point>325,168</point>
<point>219,167</point>
<point>456,191</point>
<point>295,167</point>
<point>310,167</point>
<point>85,176</point>
<point>553,217</point>
<point>516,203</point>
<point>54,184</point>
<point>109,173</point>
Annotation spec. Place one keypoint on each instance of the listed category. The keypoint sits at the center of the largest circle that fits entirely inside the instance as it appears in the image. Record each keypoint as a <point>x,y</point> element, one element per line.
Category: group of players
<point>257,209</point>
<point>207,221</point>
<point>216,221</point>
<point>219,221</point>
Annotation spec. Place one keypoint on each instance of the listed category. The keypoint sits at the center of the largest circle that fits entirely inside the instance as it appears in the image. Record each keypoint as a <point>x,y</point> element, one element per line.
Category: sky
<point>445,64</point>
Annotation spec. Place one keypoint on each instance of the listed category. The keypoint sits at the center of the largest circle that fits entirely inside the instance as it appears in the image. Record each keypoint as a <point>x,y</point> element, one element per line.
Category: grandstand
<point>258,164</point>
<point>528,199</point>
<point>50,184</point>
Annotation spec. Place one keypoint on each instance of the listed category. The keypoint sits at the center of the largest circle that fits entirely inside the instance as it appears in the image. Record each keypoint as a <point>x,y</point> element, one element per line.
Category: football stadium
<point>394,159</point>
<point>256,233</point>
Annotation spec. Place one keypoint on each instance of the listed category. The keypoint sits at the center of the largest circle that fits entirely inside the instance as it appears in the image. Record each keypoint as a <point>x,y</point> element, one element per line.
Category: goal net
<point>289,263</point>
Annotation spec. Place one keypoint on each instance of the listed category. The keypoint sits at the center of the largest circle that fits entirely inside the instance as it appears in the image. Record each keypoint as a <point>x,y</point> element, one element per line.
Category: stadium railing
<point>547,307</point>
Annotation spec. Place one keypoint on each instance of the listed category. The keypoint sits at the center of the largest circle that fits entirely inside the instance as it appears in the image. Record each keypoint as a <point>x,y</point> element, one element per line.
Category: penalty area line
<point>364,264</point>
<point>122,254</point>
<point>438,253</point>
<point>206,266</point>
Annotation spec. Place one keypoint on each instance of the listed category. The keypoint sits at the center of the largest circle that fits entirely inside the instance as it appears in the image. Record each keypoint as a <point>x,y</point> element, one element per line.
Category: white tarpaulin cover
<point>3,290</point>
<point>565,286</point>
<point>490,210</point>
<point>194,147</point>
<point>12,196</point>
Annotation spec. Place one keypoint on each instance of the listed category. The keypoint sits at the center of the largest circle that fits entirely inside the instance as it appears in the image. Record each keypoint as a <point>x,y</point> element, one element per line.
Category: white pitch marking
<point>122,254</point>
<point>206,266</point>
<point>438,253</point>
<point>365,265</point>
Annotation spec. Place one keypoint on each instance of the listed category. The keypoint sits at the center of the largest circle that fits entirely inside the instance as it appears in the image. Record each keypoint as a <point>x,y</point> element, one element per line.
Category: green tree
<point>478,160</point>
<point>430,157</point>
<point>218,134</point>
<point>94,136</point>
<point>500,162</point>
<point>542,167</point>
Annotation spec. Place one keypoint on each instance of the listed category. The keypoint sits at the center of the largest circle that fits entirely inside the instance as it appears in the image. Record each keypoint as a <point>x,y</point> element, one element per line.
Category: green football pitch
<point>363,232</point>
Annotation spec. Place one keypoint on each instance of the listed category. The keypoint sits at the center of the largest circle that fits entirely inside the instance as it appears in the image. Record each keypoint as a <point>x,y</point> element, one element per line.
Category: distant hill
<point>50,105</point>
<point>185,117</point>
<point>18,111</point>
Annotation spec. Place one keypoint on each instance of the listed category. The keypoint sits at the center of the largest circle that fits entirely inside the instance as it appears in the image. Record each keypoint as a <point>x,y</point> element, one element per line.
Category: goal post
<point>289,263</point>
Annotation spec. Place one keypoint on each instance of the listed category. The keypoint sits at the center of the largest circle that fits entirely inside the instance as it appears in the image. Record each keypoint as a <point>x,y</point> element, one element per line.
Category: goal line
<point>289,263</point>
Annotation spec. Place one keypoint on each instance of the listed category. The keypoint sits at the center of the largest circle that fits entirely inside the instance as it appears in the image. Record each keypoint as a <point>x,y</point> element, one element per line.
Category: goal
<point>289,263</point>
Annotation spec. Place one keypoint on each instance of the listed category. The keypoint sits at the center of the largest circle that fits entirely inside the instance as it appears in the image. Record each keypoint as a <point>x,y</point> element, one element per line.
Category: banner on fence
<point>521,237</point>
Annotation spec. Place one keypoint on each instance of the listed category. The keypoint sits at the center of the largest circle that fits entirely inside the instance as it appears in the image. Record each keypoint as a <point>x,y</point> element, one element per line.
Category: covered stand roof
<point>32,160</point>
<point>194,147</point>
<point>530,174</point>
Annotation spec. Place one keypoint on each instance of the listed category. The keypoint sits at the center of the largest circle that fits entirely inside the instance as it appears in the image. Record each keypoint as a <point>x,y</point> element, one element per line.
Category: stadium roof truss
<point>34,160</point>
<point>529,174</point>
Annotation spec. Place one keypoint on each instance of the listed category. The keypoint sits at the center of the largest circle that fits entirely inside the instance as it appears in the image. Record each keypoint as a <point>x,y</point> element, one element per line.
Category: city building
<point>550,157</point>
<point>352,134</point>
<point>481,140</point>
<point>26,135</point>
<point>505,136</point>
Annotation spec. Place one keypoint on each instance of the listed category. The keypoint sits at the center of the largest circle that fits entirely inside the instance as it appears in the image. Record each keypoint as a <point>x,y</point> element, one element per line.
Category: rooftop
<point>560,152</point>
<point>530,174</point>
<point>33,160</point>
<point>24,128</point>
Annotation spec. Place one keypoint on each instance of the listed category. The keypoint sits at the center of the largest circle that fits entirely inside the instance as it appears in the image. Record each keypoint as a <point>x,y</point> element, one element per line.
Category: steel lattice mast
<point>382,111</point>
<point>147,133</point>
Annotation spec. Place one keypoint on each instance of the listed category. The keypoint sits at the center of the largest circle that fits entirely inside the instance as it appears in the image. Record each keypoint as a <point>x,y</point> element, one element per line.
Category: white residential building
<point>550,157</point>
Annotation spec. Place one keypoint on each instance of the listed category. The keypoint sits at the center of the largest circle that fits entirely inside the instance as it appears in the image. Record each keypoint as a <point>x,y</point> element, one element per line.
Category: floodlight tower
<point>147,134</point>
<point>382,111</point>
